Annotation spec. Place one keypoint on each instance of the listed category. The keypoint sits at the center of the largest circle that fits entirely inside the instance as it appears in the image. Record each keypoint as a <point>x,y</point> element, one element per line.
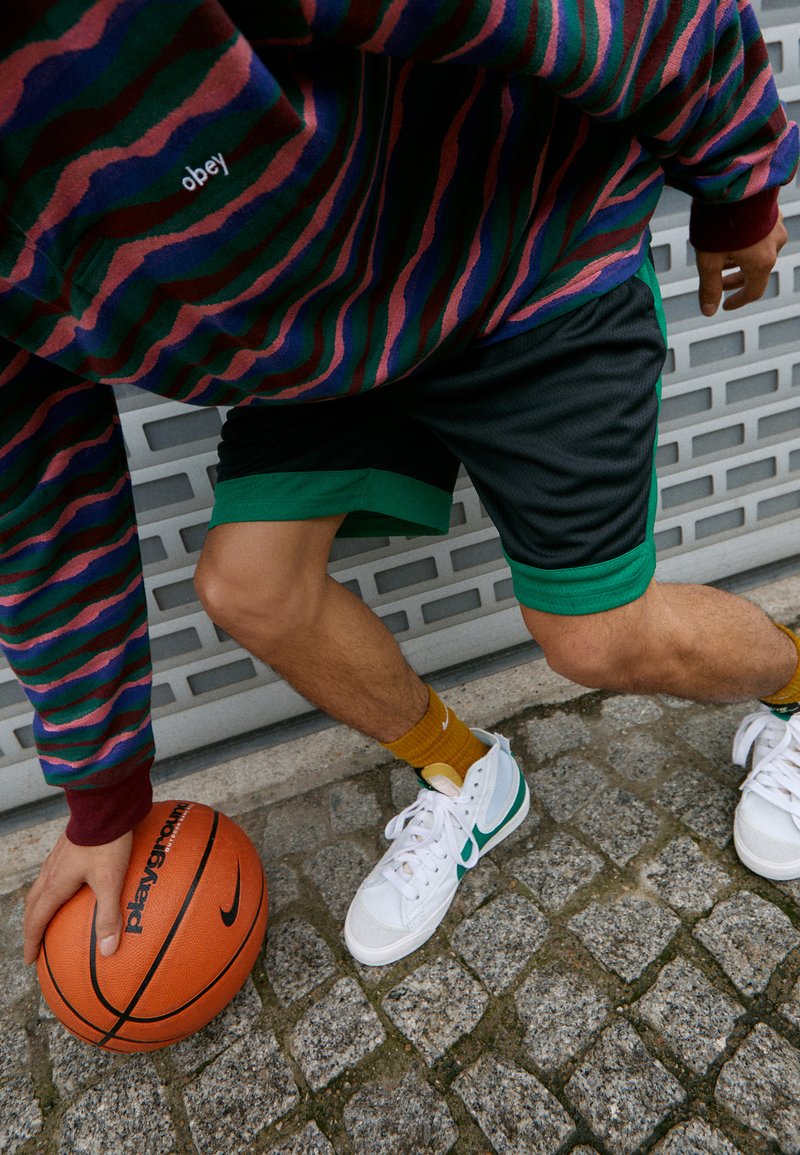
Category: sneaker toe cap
<point>366,934</point>
<point>768,833</point>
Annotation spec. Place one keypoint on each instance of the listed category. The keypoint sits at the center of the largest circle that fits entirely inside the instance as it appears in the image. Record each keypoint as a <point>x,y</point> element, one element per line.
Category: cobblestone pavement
<point>610,979</point>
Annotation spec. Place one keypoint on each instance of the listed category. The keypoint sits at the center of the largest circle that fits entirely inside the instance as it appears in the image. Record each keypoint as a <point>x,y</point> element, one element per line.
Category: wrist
<point>721,228</point>
<point>101,814</point>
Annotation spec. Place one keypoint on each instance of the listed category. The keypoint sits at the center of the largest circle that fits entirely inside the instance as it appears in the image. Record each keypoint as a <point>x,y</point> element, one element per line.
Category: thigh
<point>380,472</point>
<point>557,431</point>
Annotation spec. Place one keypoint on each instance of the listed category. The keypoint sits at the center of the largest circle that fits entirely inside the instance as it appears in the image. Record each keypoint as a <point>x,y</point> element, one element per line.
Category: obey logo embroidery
<point>198,176</point>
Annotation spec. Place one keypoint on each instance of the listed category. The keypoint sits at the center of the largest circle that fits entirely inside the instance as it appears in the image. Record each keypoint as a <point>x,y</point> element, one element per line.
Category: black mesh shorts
<point>556,429</point>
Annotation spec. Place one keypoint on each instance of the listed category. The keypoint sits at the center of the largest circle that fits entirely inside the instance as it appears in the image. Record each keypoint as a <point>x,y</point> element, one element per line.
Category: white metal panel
<point>730,501</point>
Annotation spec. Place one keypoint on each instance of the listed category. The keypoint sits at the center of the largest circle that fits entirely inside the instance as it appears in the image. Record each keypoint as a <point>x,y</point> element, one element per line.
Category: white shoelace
<point>776,774</point>
<point>430,826</point>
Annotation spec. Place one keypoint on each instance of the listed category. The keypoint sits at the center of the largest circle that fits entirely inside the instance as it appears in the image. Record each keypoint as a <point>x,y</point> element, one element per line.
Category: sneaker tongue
<point>443,778</point>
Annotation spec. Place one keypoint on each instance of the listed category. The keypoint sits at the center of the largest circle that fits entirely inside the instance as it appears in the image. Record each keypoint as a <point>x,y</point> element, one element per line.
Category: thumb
<point>108,917</point>
<point>106,880</point>
<point>709,267</point>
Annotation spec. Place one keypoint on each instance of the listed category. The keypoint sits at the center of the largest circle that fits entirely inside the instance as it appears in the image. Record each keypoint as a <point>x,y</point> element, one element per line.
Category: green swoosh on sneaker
<point>482,837</point>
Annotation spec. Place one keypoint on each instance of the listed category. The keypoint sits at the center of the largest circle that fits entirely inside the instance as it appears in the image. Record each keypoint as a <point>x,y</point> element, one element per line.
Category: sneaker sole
<point>775,871</point>
<point>382,956</point>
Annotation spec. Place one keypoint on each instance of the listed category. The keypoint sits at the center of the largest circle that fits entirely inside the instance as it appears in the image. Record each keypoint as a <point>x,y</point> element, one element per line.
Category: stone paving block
<point>297,959</point>
<point>640,758</point>
<point>435,1005</point>
<point>126,1114</point>
<point>74,1064</point>
<point>12,910</point>
<point>513,1109</point>
<point>626,710</point>
<point>695,1138</point>
<point>790,888</point>
<point>685,877</point>
<point>711,733</point>
<point>760,1086</point>
<point>14,1050</point>
<point>622,1091</point>
<point>336,1033</point>
<point>16,981</point>
<point>619,823</point>
<point>625,934</point>
<point>561,1012</point>
<point>555,871</point>
<point>548,737</point>
<point>338,871</point>
<point>238,1019</point>
<point>309,1141</point>
<point>244,1090</point>
<point>352,807</point>
<point>748,937</point>
<point>475,887</point>
<point>701,803</point>
<point>565,786</point>
<point>404,786</point>
<point>410,1117</point>
<point>297,826</point>
<point>498,942</point>
<point>694,1019</point>
<point>675,703</point>
<point>283,887</point>
<point>790,1009</point>
<point>20,1113</point>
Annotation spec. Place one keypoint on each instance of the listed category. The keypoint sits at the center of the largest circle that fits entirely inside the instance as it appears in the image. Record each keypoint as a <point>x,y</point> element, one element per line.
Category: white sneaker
<point>436,839</point>
<point>766,828</point>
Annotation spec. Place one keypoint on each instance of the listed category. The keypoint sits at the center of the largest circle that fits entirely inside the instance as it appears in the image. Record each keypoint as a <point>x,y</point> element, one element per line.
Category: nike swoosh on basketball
<point>229,916</point>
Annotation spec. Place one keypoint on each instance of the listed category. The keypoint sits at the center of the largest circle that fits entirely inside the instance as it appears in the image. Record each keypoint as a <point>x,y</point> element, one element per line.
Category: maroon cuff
<point>101,814</point>
<point>718,228</point>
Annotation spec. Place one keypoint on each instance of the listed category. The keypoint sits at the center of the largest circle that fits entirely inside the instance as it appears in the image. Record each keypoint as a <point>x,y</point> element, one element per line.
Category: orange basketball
<point>194,908</point>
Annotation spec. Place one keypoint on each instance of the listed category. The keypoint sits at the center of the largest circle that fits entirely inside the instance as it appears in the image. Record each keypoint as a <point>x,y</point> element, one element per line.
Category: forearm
<point>692,81</point>
<point>72,610</point>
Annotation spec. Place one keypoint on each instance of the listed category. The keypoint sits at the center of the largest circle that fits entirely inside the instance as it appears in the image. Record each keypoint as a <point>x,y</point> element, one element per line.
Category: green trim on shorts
<point>592,589</point>
<point>378,503</point>
<point>588,589</point>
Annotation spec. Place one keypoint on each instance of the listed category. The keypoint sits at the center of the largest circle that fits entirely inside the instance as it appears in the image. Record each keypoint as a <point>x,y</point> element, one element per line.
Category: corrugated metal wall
<point>730,500</point>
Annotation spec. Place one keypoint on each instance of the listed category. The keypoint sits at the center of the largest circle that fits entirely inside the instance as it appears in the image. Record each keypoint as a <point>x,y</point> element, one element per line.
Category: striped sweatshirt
<point>296,200</point>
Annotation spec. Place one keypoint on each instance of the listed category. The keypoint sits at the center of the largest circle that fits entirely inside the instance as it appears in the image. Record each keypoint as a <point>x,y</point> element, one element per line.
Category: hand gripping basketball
<point>194,909</point>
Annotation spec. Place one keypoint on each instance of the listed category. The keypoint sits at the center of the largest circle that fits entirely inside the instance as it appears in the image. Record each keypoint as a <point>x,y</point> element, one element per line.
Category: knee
<point>242,600</point>
<point>595,651</point>
<point>588,665</point>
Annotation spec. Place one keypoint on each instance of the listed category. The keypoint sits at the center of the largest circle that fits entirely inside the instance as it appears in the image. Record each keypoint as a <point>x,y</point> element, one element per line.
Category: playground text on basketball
<point>155,861</point>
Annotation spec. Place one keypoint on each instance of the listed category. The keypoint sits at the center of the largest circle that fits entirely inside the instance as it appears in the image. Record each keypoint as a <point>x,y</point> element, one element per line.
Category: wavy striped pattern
<point>296,200</point>
<point>72,609</point>
<point>371,209</point>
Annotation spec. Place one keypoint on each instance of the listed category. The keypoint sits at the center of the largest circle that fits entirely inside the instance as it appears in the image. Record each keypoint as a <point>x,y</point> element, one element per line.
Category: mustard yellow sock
<point>439,736</point>
<point>791,691</point>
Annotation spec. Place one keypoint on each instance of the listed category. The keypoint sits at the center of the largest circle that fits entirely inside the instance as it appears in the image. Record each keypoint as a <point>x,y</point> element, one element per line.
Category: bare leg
<point>266,583</point>
<point>688,640</point>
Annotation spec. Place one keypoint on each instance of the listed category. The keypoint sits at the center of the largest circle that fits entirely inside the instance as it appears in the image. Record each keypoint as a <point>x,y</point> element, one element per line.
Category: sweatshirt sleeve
<point>72,609</point>
<point>691,80</point>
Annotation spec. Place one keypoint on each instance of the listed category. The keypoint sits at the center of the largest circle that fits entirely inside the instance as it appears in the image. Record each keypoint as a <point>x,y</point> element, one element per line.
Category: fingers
<point>750,276</point>
<point>748,283</point>
<point>65,870</point>
<point>709,268</point>
<point>50,891</point>
<point>108,917</point>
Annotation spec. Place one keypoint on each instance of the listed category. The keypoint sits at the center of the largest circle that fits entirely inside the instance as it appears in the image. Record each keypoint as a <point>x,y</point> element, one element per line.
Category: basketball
<point>194,909</point>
